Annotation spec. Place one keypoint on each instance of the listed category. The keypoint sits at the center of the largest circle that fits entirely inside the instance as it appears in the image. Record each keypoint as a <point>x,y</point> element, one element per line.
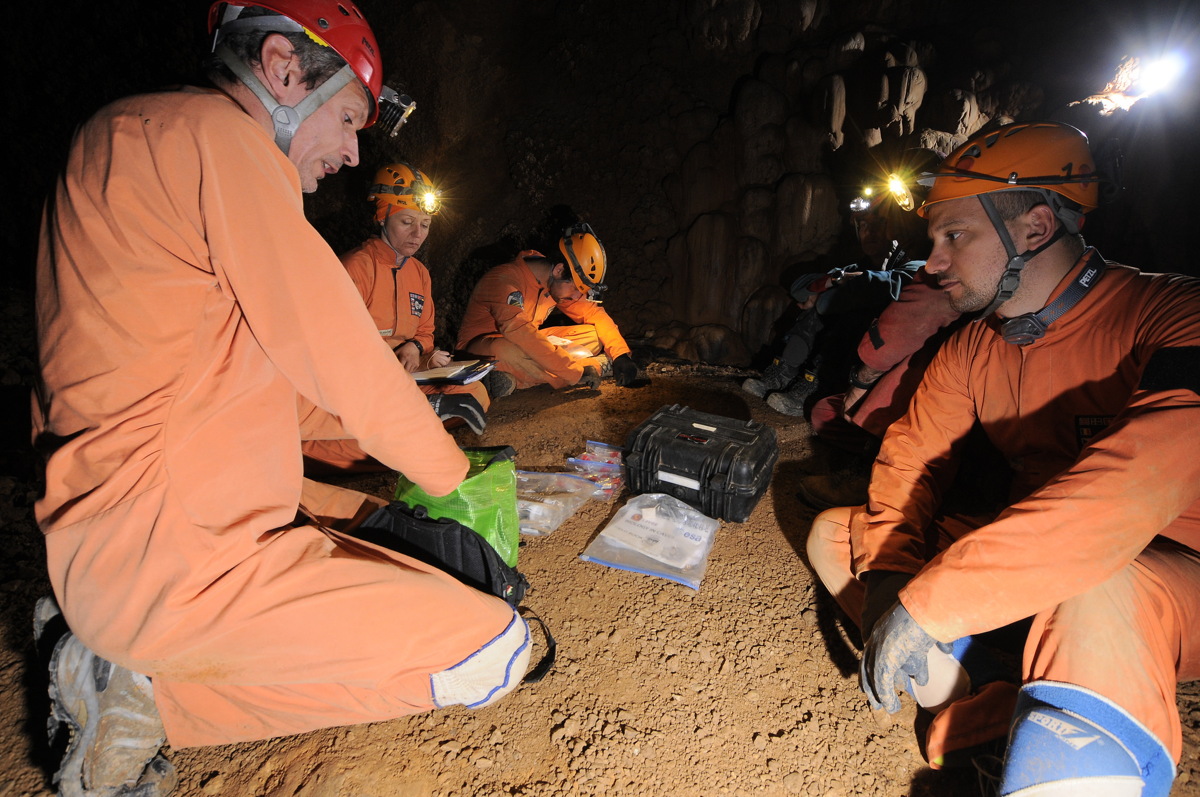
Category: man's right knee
<point>1068,740</point>
<point>489,673</point>
<point>828,545</point>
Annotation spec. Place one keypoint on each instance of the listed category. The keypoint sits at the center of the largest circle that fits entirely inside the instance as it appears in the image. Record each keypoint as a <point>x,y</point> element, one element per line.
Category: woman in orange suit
<point>395,286</point>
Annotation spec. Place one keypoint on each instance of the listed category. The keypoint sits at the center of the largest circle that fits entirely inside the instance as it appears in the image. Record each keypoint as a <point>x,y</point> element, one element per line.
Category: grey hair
<point>317,63</point>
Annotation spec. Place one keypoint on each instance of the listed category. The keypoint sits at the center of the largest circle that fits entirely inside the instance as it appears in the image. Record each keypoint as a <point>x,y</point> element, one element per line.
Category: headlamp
<point>429,202</point>
<point>425,198</point>
<point>394,110</point>
<point>901,192</point>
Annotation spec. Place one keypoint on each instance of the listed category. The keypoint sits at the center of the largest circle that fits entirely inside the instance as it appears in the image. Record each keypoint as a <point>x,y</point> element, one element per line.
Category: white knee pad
<point>489,673</point>
<point>968,666</point>
<point>1067,740</point>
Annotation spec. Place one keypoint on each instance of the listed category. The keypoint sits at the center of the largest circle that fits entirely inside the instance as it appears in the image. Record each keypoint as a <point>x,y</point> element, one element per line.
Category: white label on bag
<point>674,541</point>
<point>704,427</point>
<point>674,478</point>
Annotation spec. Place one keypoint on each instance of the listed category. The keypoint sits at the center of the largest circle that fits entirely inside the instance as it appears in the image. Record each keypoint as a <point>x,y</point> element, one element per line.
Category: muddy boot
<point>777,376</point>
<point>113,732</point>
<point>791,401</point>
<point>499,383</point>
<point>459,405</point>
<point>840,488</point>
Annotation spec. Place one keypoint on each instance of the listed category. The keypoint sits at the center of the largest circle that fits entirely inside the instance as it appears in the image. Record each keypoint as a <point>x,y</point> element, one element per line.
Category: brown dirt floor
<point>747,686</point>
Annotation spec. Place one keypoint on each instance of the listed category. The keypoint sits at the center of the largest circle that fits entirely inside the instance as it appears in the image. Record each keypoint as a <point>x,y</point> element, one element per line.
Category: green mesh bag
<point>486,501</point>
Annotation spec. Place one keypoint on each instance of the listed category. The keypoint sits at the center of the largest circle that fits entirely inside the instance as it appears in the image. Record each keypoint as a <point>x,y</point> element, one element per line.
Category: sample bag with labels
<point>658,535</point>
<point>545,500</point>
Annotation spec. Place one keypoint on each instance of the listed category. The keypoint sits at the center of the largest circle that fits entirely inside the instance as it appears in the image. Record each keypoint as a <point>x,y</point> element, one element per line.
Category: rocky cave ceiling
<point>712,144</point>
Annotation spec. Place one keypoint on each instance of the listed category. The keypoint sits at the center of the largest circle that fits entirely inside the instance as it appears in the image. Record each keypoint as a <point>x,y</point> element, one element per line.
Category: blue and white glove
<point>897,650</point>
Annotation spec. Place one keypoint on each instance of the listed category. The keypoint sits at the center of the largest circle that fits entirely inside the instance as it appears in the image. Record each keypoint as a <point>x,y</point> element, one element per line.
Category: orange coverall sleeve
<point>1095,509</point>
<point>581,311</point>
<point>914,468</point>
<point>360,266</point>
<point>313,325</point>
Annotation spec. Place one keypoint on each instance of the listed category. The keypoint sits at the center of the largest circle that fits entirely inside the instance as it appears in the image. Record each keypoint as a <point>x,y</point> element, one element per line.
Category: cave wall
<point>713,144</point>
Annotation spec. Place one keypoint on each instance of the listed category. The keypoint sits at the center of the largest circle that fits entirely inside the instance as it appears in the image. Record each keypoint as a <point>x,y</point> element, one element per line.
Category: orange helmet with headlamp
<point>399,186</point>
<point>585,259</point>
<point>1050,158</point>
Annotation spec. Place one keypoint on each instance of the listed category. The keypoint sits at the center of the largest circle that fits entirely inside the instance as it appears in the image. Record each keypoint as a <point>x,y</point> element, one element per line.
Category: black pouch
<point>447,545</point>
<point>458,550</point>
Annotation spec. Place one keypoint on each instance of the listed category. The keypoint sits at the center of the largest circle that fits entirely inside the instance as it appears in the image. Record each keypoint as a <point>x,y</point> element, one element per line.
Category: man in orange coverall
<point>182,542</point>
<point>505,313</point>
<point>396,288</point>
<point>1084,375</point>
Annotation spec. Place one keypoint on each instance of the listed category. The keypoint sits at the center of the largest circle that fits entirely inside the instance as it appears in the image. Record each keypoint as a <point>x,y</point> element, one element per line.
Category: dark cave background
<point>712,144</point>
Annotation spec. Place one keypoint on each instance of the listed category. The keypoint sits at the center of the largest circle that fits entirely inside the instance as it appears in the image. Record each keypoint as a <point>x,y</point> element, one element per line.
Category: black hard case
<point>719,465</point>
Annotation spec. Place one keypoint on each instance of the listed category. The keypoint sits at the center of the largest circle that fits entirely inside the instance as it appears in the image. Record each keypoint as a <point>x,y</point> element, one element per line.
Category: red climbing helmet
<point>334,23</point>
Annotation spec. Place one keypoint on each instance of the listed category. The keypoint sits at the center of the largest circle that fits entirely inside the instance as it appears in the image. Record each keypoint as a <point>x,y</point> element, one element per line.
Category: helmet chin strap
<point>285,118</point>
<point>1010,280</point>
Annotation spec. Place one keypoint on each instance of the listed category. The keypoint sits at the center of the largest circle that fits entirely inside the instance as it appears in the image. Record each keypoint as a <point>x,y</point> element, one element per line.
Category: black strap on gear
<point>875,335</point>
<point>1010,280</point>
<point>460,551</point>
<point>539,670</point>
<point>1025,329</point>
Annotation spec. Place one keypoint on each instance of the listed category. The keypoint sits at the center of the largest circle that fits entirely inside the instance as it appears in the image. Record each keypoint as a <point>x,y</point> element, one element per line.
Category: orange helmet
<point>1048,157</point>
<point>398,186</point>
<point>585,258</point>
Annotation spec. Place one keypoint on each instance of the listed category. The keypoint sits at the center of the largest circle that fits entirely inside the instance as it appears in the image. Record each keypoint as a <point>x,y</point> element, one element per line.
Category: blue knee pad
<point>1067,736</point>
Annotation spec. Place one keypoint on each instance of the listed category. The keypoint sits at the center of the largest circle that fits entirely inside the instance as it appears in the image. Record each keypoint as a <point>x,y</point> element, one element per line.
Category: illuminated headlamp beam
<point>429,202</point>
<point>901,192</point>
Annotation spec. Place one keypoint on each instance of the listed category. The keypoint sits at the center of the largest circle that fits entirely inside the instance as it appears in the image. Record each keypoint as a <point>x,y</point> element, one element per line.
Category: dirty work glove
<point>590,378</point>
<point>459,405</point>
<point>883,590</point>
<point>625,370</point>
<point>897,650</point>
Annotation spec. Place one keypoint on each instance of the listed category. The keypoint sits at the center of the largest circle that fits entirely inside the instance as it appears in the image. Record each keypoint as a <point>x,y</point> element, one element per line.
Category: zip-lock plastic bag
<point>602,452</point>
<point>602,464</point>
<point>659,535</point>
<point>545,500</point>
